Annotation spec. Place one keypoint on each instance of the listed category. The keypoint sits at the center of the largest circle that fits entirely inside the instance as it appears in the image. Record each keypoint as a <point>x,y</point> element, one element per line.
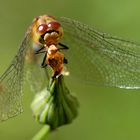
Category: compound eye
<point>54,25</point>
<point>42,28</point>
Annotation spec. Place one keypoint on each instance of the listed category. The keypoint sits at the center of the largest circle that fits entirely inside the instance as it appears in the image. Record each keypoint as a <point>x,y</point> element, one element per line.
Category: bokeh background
<point>105,113</point>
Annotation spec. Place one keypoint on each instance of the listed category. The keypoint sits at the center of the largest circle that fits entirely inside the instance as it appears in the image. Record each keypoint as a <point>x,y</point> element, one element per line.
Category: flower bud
<point>55,105</point>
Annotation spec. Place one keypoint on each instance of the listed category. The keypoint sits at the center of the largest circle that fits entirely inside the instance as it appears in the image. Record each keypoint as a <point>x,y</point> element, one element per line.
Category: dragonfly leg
<point>65,61</point>
<point>43,65</point>
<point>63,46</point>
<point>40,50</point>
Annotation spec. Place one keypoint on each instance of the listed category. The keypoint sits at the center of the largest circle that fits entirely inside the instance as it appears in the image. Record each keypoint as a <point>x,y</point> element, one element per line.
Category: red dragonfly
<point>53,43</point>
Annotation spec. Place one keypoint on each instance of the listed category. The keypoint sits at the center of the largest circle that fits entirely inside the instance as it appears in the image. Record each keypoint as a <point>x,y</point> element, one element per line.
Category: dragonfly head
<point>46,31</point>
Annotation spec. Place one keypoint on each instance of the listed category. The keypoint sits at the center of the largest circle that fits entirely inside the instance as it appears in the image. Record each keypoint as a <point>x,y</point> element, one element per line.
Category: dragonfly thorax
<point>55,59</point>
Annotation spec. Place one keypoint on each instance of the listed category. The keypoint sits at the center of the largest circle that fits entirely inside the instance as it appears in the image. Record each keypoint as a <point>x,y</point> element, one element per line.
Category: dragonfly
<point>60,44</point>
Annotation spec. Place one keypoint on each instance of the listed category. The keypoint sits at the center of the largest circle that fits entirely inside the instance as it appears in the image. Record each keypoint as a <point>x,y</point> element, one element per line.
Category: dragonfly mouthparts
<point>50,31</point>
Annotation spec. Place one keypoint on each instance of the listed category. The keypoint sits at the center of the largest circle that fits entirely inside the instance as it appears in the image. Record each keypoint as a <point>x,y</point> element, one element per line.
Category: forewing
<point>98,58</point>
<point>11,83</point>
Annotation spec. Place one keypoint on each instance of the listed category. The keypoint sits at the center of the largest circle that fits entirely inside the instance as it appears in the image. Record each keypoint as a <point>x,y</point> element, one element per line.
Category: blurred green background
<point>105,113</point>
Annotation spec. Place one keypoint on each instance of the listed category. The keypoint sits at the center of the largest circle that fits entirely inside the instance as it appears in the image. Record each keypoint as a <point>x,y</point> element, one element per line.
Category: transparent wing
<point>36,75</point>
<point>11,83</point>
<point>25,62</point>
<point>98,58</point>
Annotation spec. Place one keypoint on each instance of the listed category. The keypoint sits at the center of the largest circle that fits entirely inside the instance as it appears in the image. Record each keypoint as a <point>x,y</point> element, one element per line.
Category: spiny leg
<point>40,50</point>
<point>63,46</point>
<point>43,65</point>
<point>65,61</point>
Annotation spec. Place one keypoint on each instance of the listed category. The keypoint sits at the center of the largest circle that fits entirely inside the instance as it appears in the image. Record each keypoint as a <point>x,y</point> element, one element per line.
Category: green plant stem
<point>43,133</point>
